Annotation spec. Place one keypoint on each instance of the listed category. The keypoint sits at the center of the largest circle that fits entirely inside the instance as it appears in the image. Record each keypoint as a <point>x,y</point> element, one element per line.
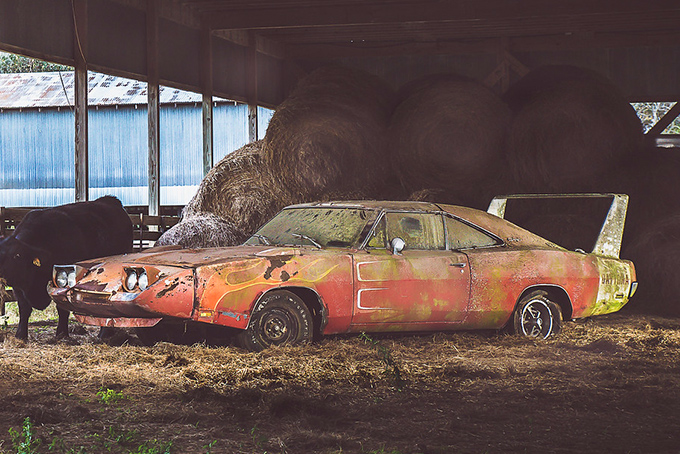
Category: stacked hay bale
<point>571,126</point>
<point>203,230</point>
<point>326,141</point>
<point>328,136</point>
<point>447,134</point>
<point>652,236</point>
<point>236,197</point>
<point>240,188</point>
<point>449,139</point>
<point>656,255</point>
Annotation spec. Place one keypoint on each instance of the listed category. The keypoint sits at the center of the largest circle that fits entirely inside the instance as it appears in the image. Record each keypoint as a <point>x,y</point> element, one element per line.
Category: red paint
<point>361,290</point>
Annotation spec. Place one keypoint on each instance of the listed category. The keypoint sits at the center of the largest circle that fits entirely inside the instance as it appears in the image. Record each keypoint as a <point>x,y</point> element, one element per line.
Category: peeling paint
<point>360,290</point>
<point>274,263</point>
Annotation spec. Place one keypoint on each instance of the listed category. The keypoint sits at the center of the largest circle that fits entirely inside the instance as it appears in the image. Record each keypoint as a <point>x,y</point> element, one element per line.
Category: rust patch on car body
<point>362,288</point>
<point>275,263</point>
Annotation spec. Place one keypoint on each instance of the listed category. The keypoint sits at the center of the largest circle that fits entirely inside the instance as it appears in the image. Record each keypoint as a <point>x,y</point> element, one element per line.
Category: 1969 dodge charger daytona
<point>366,266</point>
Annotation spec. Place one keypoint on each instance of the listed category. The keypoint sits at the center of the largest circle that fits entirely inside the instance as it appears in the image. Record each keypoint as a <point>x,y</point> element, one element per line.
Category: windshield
<point>319,227</point>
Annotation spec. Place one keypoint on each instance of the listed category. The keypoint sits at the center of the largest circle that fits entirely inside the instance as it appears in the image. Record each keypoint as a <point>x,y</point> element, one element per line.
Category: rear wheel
<point>538,317</point>
<point>279,318</point>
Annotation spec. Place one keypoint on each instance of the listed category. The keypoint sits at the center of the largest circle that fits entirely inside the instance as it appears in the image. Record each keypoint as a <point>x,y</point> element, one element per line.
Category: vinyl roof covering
<point>55,89</point>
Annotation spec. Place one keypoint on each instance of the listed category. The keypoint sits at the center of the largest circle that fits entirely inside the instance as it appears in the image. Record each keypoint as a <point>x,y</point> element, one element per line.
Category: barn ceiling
<point>633,42</point>
<point>325,29</point>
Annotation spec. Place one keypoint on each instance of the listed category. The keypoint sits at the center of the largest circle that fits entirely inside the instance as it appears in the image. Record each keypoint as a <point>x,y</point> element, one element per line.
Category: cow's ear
<point>36,262</point>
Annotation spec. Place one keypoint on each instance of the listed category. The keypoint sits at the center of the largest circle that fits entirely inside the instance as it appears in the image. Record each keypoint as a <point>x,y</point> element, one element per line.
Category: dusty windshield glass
<point>320,227</point>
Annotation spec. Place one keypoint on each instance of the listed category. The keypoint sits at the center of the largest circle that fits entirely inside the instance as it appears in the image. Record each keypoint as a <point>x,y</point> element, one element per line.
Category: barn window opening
<point>650,113</point>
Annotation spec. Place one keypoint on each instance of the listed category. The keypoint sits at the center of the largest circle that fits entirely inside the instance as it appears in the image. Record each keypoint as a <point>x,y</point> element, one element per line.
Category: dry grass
<point>605,384</point>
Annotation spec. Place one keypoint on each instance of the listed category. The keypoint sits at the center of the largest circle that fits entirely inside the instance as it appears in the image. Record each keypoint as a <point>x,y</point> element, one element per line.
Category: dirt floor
<point>607,384</point>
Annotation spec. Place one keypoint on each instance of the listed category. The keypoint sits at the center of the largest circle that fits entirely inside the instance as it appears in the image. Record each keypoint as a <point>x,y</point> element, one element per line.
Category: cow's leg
<point>25,310</point>
<point>62,327</point>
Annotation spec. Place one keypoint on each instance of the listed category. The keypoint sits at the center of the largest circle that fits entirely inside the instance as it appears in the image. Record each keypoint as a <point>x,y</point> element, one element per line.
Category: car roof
<point>515,236</point>
<point>374,205</point>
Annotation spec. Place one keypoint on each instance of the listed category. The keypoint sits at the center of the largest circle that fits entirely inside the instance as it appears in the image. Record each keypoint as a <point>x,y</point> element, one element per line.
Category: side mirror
<point>397,245</point>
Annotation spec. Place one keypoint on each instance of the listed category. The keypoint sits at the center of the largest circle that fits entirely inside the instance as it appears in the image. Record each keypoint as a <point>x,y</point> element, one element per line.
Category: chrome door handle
<point>458,265</point>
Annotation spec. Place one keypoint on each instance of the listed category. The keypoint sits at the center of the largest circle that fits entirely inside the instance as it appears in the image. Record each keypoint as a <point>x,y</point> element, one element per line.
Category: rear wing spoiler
<point>609,240</point>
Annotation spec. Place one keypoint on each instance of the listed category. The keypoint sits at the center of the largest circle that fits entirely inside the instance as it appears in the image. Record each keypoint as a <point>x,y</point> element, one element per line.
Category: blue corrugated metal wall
<point>36,152</point>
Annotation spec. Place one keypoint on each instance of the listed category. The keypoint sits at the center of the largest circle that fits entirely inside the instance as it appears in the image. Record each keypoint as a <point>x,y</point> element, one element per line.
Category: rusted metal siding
<point>55,89</point>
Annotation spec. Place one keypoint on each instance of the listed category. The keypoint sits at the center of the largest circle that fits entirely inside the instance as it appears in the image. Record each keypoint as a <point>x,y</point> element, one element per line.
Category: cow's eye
<point>17,256</point>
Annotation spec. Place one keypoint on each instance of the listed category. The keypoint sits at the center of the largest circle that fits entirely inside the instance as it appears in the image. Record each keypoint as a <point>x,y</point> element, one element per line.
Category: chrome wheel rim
<point>536,319</point>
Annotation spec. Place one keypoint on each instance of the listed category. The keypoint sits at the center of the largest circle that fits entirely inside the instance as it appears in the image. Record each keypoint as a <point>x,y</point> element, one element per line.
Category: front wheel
<point>538,317</point>
<point>279,318</point>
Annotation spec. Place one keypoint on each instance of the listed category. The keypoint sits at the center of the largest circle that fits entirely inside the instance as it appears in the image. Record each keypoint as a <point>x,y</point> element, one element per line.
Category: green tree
<point>12,63</point>
<point>651,112</point>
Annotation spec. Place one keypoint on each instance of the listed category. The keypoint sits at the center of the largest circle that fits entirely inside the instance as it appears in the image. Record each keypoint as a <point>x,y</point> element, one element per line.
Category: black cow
<point>60,235</point>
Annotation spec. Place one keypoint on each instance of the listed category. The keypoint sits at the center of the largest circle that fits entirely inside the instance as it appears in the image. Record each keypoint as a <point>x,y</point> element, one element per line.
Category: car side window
<point>463,236</point>
<point>422,231</point>
<point>378,238</point>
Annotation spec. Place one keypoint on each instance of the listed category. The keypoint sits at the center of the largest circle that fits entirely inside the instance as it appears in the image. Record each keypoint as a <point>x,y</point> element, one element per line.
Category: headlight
<point>131,280</point>
<point>143,280</point>
<point>61,279</point>
<point>138,278</point>
<point>64,276</point>
<point>71,279</point>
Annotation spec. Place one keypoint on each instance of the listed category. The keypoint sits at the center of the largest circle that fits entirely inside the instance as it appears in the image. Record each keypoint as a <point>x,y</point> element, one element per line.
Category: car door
<point>424,284</point>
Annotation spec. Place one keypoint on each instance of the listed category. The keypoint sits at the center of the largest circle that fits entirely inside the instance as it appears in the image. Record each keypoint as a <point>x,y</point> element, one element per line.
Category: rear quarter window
<point>464,236</point>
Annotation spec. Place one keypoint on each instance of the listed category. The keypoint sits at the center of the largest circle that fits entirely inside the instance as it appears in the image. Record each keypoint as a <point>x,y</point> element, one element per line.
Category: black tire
<point>279,318</point>
<point>537,317</point>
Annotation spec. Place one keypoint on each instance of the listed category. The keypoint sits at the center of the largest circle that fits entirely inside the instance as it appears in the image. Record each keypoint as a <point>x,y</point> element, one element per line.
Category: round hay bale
<point>241,189</point>
<point>656,255</point>
<point>203,230</point>
<point>570,126</point>
<point>329,134</point>
<point>448,133</point>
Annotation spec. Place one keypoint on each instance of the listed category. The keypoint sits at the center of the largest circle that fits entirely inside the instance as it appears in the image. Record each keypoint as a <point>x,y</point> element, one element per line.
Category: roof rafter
<point>234,16</point>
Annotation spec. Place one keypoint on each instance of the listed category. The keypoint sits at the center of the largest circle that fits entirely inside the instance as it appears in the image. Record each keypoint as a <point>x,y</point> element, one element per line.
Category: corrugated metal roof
<point>55,89</point>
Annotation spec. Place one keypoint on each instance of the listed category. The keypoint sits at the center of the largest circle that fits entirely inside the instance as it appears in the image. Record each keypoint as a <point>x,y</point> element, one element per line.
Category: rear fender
<point>554,293</point>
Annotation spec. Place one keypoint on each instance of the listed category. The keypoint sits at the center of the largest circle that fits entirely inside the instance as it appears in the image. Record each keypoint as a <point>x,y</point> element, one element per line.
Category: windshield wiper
<point>305,237</point>
<point>262,239</point>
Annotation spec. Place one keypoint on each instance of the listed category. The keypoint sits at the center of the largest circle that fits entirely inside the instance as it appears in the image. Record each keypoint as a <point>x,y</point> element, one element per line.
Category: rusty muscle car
<point>365,266</point>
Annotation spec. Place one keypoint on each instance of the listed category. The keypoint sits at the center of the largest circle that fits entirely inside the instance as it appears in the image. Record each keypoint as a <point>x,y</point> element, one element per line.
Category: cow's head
<point>20,262</point>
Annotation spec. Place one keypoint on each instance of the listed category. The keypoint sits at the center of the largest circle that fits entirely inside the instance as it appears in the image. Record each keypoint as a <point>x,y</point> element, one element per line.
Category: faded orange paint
<point>361,290</point>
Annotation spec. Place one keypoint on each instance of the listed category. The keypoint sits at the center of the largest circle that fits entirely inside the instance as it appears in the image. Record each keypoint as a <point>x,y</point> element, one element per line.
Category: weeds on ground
<point>25,442</point>
<point>112,440</point>
<point>109,396</point>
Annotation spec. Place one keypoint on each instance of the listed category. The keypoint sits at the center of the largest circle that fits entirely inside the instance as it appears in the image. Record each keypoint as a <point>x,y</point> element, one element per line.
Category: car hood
<point>192,258</point>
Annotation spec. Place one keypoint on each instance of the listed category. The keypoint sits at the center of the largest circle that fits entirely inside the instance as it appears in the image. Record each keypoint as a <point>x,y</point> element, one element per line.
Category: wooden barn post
<point>251,86</point>
<point>153,106</point>
<point>207,91</point>
<point>80,87</point>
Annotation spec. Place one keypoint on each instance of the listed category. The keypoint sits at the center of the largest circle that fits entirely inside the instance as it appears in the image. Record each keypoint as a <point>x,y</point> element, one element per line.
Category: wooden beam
<point>326,15</point>
<point>665,121</point>
<point>80,53</point>
<point>251,86</point>
<point>265,46</point>
<point>153,106</point>
<point>207,100</point>
<point>557,42</point>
